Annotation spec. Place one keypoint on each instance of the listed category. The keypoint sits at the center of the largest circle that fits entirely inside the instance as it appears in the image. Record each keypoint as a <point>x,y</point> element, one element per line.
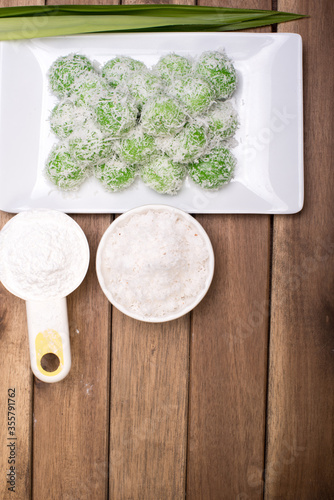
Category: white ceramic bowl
<point>140,210</point>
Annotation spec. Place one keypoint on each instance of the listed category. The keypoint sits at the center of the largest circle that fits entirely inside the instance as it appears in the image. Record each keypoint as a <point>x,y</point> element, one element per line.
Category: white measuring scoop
<point>44,256</point>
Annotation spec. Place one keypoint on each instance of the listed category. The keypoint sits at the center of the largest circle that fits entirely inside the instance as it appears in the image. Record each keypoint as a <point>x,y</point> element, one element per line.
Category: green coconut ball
<point>117,69</point>
<point>218,69</point>
<point>163,175</point>
<point>137,147</point>
<point>63,170</point>
<point>187,145</point>
<point>89,89</point>
<point>222,121</point>
<point>116,114</point>
<point>163,115</point>
<point>64,72</point>
<point>142,85</point>
<point>66,117</point>
<point>173,66</point>
<point>213,170</point>
<point>195,93</point>
<point>114,174</point>
<point>90,145</point>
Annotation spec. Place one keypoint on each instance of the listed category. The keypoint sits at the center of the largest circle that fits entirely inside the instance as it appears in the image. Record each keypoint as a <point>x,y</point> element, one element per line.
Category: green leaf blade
<point>44,21</point>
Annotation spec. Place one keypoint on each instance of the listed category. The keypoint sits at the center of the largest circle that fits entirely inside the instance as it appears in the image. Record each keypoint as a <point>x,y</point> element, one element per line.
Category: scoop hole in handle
<point>50,362</point>
<point>49,339</point>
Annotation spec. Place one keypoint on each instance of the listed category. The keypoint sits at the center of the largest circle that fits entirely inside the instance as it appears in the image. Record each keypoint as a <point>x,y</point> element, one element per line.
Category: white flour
<point>43,254</point>
<point>155,263</point>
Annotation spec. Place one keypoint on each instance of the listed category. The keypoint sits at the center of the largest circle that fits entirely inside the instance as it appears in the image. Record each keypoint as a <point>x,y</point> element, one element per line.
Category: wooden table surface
<point>231,402</point>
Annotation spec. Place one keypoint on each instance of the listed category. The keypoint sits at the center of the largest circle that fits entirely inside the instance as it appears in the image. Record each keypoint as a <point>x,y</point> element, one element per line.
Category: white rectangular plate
<point>269,175</point>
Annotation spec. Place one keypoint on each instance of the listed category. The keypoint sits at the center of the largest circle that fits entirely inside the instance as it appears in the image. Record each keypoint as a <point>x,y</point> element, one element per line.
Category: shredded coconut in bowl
<point>155,263</point>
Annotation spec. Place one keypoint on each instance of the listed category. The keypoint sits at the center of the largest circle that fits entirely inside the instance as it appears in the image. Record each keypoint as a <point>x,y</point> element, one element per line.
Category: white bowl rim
<point>143,209</point>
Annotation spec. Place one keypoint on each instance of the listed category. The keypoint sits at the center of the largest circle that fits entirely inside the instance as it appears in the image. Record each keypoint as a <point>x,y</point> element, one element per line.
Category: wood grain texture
<point>82,2</point>
<point>71,417</point>
<point>166,2</point>
<point>17,3</point>
<point>300,458</point>
<point>228,363</point>
<point>15,373</point>
<point>148,409</point>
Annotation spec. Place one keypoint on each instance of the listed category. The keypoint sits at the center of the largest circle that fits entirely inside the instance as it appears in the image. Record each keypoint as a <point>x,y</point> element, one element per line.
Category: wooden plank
<point>70,440</point>
<point>228,363</point>
<point>148,409</point>
<point>135,2</point>
<point>148,413</point>
<point>82,2</point>
<point>300,459</point>
<point>16,374</point>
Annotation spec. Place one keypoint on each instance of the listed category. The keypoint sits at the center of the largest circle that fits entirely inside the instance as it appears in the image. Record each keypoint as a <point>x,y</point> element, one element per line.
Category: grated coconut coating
<point>62,169</point>
<point>222,121</point>
<point>66,117</point>
<point>163,175</point>
<point>187,145</point>
<point>117,69</point>
<point>117,114</point>
<point>172,66</point>
<point>64,72</point>
<point>218,69</point>
<point>89,89</point>
<point>178,124</point>
<point>137,147</point>
<point>142,85</point>
<point>114,174</point>
<point>213,170</point>
<point>163,115</point>
<point>90,145</point>
<point>195,93</point>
